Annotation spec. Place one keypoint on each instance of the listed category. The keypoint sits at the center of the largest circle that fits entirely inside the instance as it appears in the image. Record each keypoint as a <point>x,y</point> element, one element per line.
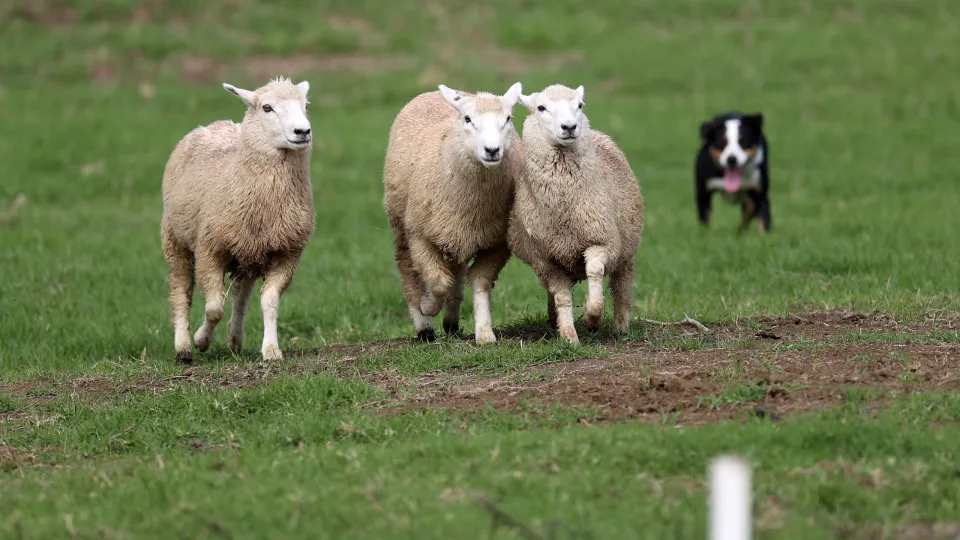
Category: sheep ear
<point>580,92</point>
<point>530,101</point>
<point>304,88</point>
<point>453,98</point>
<point>512,95</point>
<point>247,96</point>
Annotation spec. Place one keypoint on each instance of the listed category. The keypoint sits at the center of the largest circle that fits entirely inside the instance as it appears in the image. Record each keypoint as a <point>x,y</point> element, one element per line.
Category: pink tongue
<point>731,180</point>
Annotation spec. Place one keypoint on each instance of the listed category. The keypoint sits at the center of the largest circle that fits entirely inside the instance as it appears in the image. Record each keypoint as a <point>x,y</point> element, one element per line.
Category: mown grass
<point>193,461</point>
<point>861,115</point>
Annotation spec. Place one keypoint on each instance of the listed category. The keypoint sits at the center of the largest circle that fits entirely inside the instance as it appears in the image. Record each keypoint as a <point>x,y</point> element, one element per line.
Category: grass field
<point>834,355</point>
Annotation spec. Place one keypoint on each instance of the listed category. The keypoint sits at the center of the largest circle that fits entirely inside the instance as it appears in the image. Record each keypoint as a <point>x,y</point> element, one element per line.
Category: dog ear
<point>754,121</point>
<point>707,130</point>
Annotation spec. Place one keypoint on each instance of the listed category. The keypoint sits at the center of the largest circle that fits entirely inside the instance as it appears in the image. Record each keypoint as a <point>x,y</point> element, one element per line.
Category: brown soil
<point>793,364</point>
<point>772,367</point>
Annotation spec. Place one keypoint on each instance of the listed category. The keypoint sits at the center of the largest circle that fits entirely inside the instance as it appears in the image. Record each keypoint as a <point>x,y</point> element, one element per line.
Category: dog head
<point>733,141</point>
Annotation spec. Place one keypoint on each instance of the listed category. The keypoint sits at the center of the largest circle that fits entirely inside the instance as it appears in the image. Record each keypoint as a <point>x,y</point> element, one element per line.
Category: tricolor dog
<point>733,159</point>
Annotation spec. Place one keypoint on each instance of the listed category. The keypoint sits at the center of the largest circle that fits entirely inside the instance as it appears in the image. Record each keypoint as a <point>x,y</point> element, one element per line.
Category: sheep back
<point>434,189</point>
<point>569,200</point>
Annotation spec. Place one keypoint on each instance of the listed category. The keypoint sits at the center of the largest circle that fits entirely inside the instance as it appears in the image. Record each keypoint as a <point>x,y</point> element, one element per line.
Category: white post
<point>730,501</point>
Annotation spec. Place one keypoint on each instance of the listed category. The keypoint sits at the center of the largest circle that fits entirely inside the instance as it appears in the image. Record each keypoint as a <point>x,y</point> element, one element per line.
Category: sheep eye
<point>509,118</point>
<point>466,119</point>
<point>541,108</point>
<point>267,108</point>
<point>580,106</point>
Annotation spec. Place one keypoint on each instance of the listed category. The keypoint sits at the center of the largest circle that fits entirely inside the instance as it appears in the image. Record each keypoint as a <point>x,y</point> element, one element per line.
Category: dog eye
<point>541,108</point>
<point>466,119</point>
<point>267,108</point>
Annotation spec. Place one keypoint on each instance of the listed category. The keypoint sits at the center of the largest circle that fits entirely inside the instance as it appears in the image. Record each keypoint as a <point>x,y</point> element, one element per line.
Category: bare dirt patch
<point>201,70</point>
<point>46,14</point>
<point>45,390</point>
<point>772,367</point>
<point>767,367</point>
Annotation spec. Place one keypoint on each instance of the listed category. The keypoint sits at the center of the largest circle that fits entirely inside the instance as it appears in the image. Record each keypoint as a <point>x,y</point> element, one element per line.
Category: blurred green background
<point>860,100</point>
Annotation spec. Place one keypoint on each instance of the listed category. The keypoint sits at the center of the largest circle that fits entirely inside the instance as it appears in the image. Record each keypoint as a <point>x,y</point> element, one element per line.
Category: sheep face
<point>484,123</point>
<point>558,111</point>
<point>280,110</point>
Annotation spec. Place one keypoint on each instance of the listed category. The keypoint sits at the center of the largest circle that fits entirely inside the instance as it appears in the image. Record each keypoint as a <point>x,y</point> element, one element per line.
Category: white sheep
<point>578,212</point>
<point>237,198</point>
<point>449,173</point>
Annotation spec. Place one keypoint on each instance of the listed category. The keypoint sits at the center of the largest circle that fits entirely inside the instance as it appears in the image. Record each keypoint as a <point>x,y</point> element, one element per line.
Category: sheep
<point>238,198</point>
<point>449,171</point>
<point>578,211</point>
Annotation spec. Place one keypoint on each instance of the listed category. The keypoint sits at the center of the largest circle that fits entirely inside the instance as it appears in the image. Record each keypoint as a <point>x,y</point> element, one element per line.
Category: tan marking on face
<point>751,152</point>
<point>715,154</point>
<point>487,103</point>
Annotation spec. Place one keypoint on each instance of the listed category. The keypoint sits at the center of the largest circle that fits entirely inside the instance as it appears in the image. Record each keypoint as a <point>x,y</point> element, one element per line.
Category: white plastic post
<point>730,501</point>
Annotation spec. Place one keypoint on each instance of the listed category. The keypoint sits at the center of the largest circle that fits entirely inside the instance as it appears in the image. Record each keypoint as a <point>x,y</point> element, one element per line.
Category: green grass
<point>861,112</point>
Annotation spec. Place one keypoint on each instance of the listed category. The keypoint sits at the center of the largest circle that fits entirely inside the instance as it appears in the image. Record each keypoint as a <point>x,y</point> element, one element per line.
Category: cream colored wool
<point>237,198</point>
<point>446,205</point>
<point>578,212</point>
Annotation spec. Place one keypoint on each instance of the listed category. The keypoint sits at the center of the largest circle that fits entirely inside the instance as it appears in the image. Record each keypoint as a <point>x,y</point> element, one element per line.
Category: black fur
<point>451,329</point>
<point>753,203</point>
<point>427,335</point>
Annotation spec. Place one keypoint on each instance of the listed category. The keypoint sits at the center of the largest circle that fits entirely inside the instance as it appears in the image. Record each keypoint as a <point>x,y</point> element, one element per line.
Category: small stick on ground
<point>11,216</point>
<point>686,321</point>
<point>499,516</point>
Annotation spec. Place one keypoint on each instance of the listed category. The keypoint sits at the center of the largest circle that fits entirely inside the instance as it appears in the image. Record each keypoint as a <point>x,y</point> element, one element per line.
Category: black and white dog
<point>733,159</point>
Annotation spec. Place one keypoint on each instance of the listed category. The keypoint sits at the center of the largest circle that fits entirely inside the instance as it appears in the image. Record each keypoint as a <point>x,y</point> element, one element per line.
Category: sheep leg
<point>211,268</point>
<point>562,291</point>
<point>412,286</point>
<point>596,261</point>
<point>276,281</point>
<point>551,311</point>
<point>242,287</point>
<point>621,287</point>
<point>181,282</point>
<point>451,314</point>
<point>483,275</point>
<point>435,273</point>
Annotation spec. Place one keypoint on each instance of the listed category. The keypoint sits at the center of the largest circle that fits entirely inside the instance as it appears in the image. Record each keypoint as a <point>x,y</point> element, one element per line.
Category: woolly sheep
<point>237,198</point>
<point>449,172</point>
<point>578,212</point>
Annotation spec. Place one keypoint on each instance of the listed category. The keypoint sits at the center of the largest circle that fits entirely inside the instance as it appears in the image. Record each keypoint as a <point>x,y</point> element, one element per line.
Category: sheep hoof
<point>621,327</point>
<point>451,329</point>
<point>184,357</point>
<point>592,321</point>
<point>234,343</point>
<point>569,334</point>
<point>202,340</point>
<point>427,335</point>
<point>486,335</point>
<point>272,353</point>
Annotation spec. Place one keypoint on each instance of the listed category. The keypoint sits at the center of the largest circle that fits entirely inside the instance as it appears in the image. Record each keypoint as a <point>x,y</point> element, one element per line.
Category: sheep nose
<point>732,161</point>
<point>570,126</point>
<point>299,131</point>
<point>491,151</point>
